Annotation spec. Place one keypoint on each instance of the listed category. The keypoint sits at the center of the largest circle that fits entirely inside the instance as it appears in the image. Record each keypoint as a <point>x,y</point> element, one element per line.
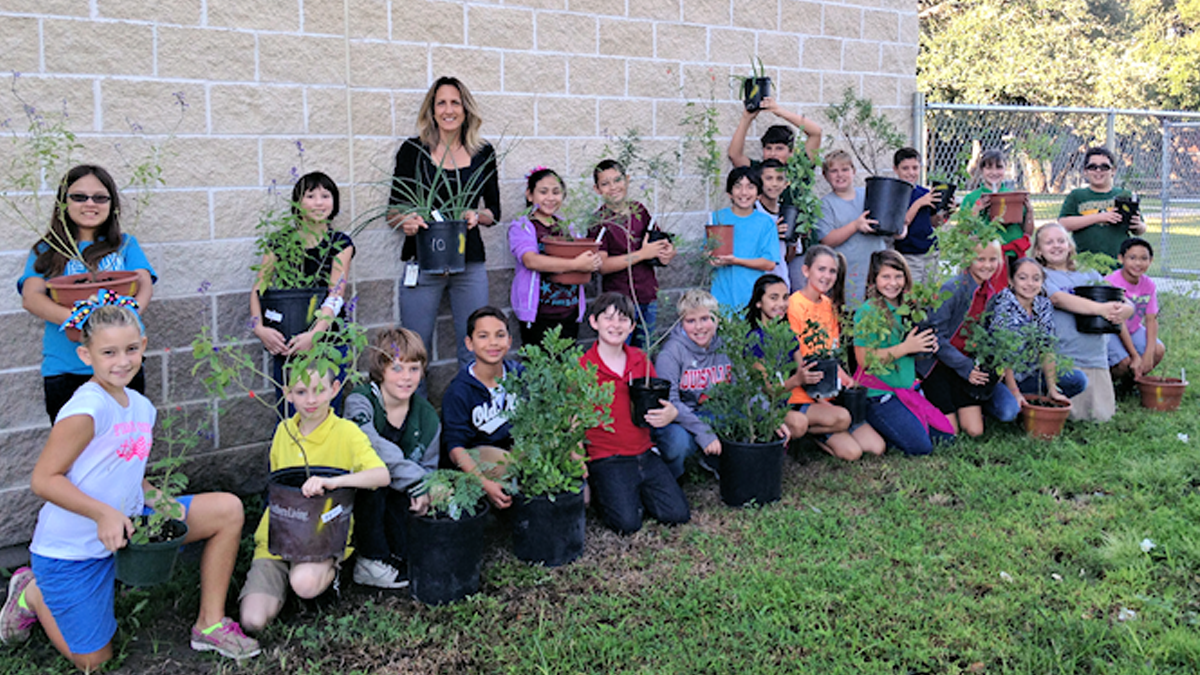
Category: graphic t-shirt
<point>1143,295</point>
<point>1103,238</point>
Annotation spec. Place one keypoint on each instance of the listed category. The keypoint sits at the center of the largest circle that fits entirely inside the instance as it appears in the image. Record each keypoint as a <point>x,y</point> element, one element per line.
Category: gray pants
<point>419,306</point>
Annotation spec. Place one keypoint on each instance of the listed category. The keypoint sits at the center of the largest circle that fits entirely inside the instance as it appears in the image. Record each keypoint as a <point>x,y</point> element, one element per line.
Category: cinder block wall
<point>344,78</point>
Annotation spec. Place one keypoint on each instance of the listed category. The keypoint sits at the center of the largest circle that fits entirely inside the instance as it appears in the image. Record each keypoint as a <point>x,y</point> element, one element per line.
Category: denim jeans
<point>640,338</point>
<point>900,427</point>
<point>675,444</point>
<point>623,487</point>
<point>380,528</point>
<point>1004,407</point>
<point>419,306</point>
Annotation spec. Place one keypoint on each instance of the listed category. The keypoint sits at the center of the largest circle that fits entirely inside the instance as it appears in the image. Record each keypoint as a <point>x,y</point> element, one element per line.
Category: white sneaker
<point>378,574</point>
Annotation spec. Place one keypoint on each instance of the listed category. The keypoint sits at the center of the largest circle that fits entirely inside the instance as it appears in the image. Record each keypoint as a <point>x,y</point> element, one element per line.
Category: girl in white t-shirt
<point>91,474</point>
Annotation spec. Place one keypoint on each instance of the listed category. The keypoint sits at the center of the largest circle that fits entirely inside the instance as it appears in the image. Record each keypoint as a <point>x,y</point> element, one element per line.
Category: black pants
<point>625,487</point>
<point>380,525</point>
<point>534,333</point>
<point>60,388</point>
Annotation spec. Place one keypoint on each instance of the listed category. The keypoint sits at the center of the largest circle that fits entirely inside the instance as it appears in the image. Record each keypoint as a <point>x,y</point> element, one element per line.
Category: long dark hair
<point>753,311</point>
<point>63,231</point>
<point>536,177</point>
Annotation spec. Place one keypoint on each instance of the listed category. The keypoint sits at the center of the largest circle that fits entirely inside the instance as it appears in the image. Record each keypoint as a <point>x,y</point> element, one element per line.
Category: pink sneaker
<point>227,639</point>
<point>16,621</point>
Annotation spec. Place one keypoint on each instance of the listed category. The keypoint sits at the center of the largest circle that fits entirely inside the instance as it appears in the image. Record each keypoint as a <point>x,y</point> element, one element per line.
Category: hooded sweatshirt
<point>692,369</point>
<point>411,451</point>
<point>473,415</point>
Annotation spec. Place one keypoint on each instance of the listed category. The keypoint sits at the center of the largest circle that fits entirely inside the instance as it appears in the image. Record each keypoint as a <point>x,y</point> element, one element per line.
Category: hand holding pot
<point>420,505</point>
<point>1056,395</point>
<point>496,494</point>
<point>299,343</point>
<point>668,252</point>
<point>1136,364</point>
<point>920,341</point>
<point>864,224</point>
<point>316,486</point>
<point>588,261</point>
<point>658,249</point>
<point>272,339</point>
<point>784,432</point>
<point>978,377</point>
<point>411,222</point>
<point>722,260</point>
<point>713,448</point>
<point>981,204</point>
<point>1108,217</point>
<point>661,417</point>
<point>114,529</point>
<point>472,218</point>
<point>1137,226</point>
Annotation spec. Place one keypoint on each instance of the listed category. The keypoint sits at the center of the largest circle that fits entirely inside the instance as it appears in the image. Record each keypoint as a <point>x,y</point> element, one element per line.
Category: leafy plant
<point>1101,263</point>
<point>1025,349</point>
<point>557,401</point>
<point>452,493</point>
<point>921,301</point>
<point>449,198</point>
<point>702,123</point>
<point>751,404</point>
<point>170,482</point>
<point>817,342</point>
<point>960,239</point>
<point>801,171</point>
<point>867,132</point>
<point>871,330</point>
<point>283,235</point>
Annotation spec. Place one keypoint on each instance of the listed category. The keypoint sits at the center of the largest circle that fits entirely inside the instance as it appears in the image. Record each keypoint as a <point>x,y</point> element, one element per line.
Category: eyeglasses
<point>80,198</point>
<point>1098,167</point>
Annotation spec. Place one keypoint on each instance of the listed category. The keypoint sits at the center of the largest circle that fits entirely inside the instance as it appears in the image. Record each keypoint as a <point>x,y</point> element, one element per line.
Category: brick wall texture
<point>555,79</point>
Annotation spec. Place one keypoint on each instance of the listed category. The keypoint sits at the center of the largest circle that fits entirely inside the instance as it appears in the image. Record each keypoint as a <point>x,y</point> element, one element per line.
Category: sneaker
<point>227,639</point>
<point>710,465</point>
<point>378,574</point>
<point>16,622</point>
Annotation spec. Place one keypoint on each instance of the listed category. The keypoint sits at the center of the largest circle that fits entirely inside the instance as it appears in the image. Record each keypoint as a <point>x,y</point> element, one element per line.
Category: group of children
<point>921,383</point>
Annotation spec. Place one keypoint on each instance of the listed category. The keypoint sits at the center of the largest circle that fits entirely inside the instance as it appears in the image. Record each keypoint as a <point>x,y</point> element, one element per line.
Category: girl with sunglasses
<point>87,214</point>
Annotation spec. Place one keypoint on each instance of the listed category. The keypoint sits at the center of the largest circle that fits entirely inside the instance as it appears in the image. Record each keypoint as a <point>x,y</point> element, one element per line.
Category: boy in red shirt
<point>626,477</point>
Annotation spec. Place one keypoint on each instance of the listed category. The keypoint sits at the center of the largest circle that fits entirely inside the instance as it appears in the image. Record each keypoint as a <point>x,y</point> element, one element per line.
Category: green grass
<point>1000,555</point>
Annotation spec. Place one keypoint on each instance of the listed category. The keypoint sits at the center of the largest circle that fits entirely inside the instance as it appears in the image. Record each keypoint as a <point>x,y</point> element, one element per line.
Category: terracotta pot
<point>1044,417</point>
<point>1161,393</point>
<point>561,247</point>
<point>723,235</point>
<point>1007,207</point>
<point>69,289</point>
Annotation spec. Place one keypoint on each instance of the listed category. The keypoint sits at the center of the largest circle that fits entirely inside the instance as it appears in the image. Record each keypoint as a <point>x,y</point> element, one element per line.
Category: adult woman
<point>449,158</point>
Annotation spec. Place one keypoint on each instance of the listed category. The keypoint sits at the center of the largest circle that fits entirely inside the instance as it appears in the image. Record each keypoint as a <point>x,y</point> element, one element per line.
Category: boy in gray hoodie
<point>693,360</point>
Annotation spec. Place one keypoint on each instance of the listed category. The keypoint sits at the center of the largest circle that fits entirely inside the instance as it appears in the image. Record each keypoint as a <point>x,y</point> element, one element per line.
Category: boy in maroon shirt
<point>626,476</point>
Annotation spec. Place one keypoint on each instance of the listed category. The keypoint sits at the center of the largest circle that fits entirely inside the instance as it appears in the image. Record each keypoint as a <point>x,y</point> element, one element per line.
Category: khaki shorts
<point>1097,403</point>
<point>269,577</point>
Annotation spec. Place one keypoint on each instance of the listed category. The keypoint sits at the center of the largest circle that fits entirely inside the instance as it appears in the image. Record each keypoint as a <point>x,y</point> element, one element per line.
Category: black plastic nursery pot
<point>151,564</point>
<point>1128,207</point>
<point>442,247</point>
<point>790,213</point>
<point>983,392</point>
<point>887,202</point>
<point>828,386</point>
<point>291,311</point>
<point>644,396</point>
<point>548,531</point>
<point>446,556</point>
<point>947,195</point>
<point>658,235</point>
<point>751,472</point>
<point>855,400</point>
<point>307,529</point>
<point>754,90</point>
<point>1090,323</point>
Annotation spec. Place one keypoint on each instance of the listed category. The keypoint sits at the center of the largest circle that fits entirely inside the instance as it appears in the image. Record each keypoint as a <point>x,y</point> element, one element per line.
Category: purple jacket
<point>526,287</point>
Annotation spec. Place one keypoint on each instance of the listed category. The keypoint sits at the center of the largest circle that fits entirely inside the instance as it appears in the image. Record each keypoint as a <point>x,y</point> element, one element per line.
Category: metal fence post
<point>1110,138</point>
<point>1165,197</point>
<point>918,130</point>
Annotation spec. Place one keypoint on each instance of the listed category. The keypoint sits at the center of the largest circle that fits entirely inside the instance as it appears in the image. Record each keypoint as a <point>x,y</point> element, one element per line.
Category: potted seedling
<point>945,188</point>
<point>1005,351</point>
<point>823,358</point>
<point>149,557</point>
<point>446,557</point>
<point>747,409</point>
<point>557,401</point>
<point>869,133</point>
<point>302,529</point>
<point>803,209</point>
<point>1097,291</point>
<point>1129,207</point>
<point>756,87</point>
<point>1165,393</point>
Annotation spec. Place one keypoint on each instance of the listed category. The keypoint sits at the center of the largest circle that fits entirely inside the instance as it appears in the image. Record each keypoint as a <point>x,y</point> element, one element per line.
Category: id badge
<point>411,272</point>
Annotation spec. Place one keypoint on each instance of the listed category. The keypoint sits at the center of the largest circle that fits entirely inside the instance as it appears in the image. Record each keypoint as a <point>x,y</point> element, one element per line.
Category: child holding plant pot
<point>844,225</point>
<point>92,475</point>
<point>919,248</point>
<point>955,381</point>
<point>314,437</point>
<point>630,246</point>
<point>1089,213</point>
<point>86,216</point>
<point>770,202</point>
<point>769,302</point>
<point>626,478</point>
<point>1129,355</point>
<point>406,433</point>
<point>1055,249</point>
<point>755,242</point>
<point>820,302</point>
<point>897,410</point>
<point>541,303</point>
<point>989,171</point>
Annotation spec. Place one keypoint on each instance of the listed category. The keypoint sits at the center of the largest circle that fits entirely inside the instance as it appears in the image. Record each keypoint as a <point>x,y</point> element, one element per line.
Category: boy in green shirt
<point>1089,213</point>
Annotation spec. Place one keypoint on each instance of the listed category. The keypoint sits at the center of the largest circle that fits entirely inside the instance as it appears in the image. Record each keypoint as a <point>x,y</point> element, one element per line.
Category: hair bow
<point>535,170</point>
<point>84,308</point>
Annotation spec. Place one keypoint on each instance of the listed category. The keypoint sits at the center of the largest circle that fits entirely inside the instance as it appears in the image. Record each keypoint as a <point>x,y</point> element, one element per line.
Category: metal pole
<point>1165,196</point>
<point>1110,140</point>
<point>918,130</point>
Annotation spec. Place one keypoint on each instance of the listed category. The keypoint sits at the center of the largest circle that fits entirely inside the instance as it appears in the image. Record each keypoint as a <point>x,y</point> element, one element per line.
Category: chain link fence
<point>1158,157</point>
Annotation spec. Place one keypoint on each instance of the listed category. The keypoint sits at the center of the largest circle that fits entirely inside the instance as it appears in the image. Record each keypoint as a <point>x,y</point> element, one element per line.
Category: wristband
<point>335,303</point>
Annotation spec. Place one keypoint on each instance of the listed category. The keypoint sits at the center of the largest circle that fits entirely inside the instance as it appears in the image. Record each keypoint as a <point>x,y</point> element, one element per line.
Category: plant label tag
<point>437,217</point>
<point>272,315</point>
<point>411,271</point>
<point>331,514</point>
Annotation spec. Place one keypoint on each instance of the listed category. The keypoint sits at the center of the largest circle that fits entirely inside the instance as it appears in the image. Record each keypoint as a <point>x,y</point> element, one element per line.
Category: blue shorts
<point>186,500</point>
<point>1116,350</point>
<point>79,595</point>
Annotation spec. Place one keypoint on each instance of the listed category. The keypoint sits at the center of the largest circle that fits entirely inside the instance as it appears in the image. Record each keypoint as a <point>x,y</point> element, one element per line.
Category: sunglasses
<point>1098,167</point>
<point>80,198</point>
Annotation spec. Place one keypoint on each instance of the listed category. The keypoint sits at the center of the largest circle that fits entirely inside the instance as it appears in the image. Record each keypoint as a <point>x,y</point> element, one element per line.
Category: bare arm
<point>371,478</point>
<point>272,339</point>
<point>737,144</point>
<point>584,262</point>
<point>35,301</point>
<point>839,236</point>
<point>808,125</point>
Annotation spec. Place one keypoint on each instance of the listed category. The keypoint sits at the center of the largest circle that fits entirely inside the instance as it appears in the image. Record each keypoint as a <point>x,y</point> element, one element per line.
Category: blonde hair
<point>1071,248</point>
<point>696,299</point>
<point>427,128</point>
<point>836,156</point>
<point>109,316</point>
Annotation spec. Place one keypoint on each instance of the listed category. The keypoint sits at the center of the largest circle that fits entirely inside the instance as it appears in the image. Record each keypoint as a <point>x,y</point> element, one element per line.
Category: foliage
<point>452,493</point>
<point>702,124</point>
<point>283,234</point>
<point>750,405</point>
<point>557,401</point>
<point>867,132</point>
<point>167,478</point>
<point>872,328</point>
<point>921,301</point>
<point>817,342</point>
<point>1027,348</point>
<point>445,195</point>
<point>960,239</point>
<point>1095,261</point>
<point>801,173</point>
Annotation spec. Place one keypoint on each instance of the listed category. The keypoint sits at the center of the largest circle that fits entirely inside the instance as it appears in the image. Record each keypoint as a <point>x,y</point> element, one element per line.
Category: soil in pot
<point>754,90</point>
<point>1044,417</point>
<point>1007,207</point>
<point>722,236</point>
<point>887,202</point>
<point>751,472</point>
<point>1089,323</point>
<point>644,396</point>
<point>291,311</point>
<point>828,386</point>
<point>855,400</point>
<point>307,529</point>
<point>151,564</point>
<point>1161,393</point>
<point>548,532</point>
<point>69,289</point>
<point>442,247</point>
<point>561,247</point>
<point>445,557</point>
<point>789,213</point>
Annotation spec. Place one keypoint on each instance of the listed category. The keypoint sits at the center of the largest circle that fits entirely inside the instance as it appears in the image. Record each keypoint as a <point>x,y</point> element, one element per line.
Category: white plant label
<point>331,514</point>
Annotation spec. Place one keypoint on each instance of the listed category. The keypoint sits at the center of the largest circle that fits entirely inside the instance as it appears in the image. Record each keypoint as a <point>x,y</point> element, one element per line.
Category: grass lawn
<point>999,555</point>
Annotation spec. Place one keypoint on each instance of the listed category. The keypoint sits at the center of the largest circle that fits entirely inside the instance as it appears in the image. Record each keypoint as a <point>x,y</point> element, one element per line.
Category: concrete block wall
<point>343,78</point>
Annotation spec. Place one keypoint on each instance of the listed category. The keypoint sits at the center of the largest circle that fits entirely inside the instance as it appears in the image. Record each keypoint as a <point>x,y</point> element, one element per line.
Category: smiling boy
<point>755,242</point>
<point>844,225</point>
<point>1089,213</point>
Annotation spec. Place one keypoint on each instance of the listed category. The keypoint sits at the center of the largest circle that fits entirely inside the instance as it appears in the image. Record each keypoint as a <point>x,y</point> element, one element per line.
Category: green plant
<point>168,481</point>
<point>817,342</point>
<point>284,235</point>
<point>447,196</point>
<point>960,239</point>
<point>871,330</point>
<point>867,132</point>
<point>749,406</point>
<point>557,401</point>
<point>922,300</point>
<point>801,173</point>
<point>702,123</point>
<point>452,493</point>
<point>747,85</point>
<point>1094,261</point>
